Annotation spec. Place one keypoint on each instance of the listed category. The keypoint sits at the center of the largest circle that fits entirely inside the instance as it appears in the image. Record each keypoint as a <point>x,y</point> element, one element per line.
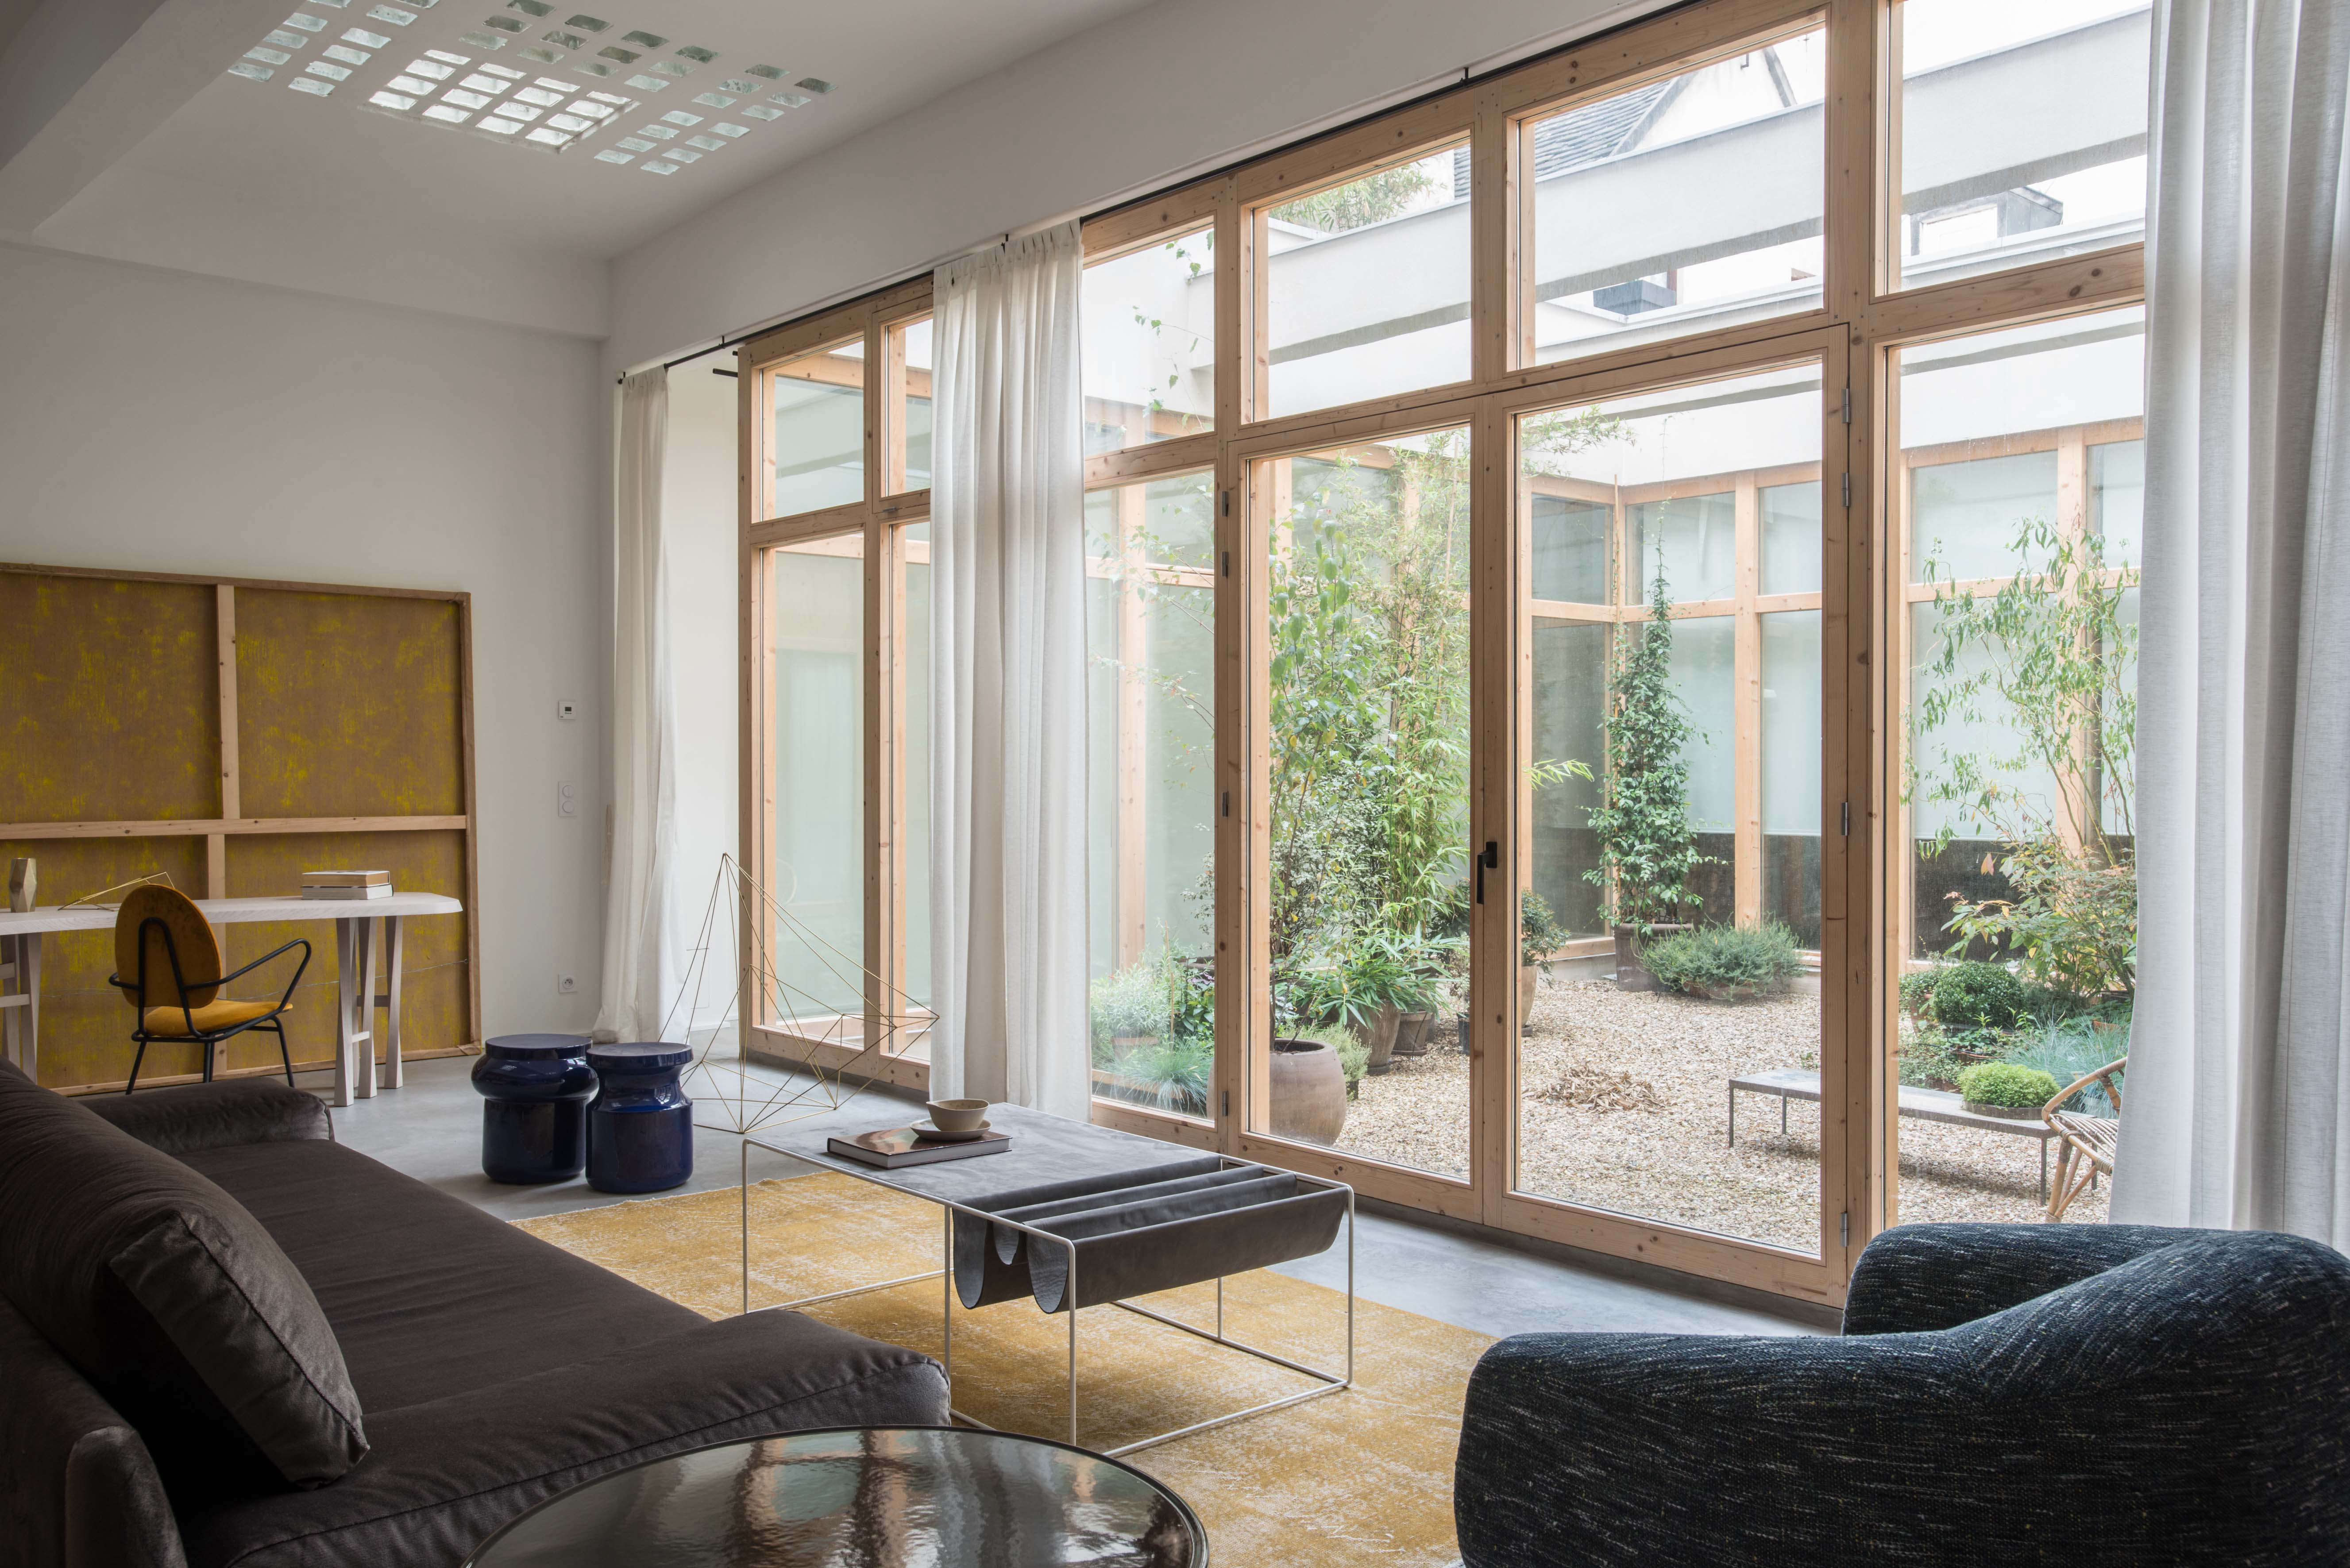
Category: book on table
<point>334,885</point>
<point>892,1147</point>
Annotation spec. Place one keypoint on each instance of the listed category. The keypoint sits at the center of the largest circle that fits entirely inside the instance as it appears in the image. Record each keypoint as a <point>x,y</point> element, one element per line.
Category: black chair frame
<point>271,1020</point>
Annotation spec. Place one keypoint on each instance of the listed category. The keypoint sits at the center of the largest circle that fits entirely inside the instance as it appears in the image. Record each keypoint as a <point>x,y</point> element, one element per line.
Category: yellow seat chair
<point>161,941</point>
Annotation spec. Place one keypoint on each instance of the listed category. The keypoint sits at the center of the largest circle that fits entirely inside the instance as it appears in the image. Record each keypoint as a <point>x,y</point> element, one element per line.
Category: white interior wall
<point>698,500</point>
<point>1179,87</point>
<point>160,421</point>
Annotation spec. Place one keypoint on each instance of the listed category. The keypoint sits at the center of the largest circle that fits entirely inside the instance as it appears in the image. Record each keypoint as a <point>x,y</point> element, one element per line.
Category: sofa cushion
<point>430,1296</point>
<point>168,1295</point>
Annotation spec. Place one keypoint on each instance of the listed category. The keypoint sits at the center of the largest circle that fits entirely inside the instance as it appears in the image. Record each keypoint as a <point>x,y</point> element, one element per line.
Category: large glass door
<point>1672,1065</point>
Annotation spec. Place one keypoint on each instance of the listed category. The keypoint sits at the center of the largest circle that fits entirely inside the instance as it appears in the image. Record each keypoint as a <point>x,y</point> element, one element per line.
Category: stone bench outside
<point>1926,1105</point>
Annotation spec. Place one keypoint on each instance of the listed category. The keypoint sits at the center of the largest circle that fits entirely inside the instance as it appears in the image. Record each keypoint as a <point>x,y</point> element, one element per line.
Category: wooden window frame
<point>1858,325</point>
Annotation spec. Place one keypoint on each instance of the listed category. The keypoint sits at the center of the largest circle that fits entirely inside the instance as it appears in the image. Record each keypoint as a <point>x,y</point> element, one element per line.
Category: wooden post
<point>230,785</point>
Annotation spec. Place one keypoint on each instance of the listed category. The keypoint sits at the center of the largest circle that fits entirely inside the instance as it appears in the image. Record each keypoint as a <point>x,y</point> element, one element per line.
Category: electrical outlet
<point>564,708</point>
<point>565,984</point>
<point>566,799</point>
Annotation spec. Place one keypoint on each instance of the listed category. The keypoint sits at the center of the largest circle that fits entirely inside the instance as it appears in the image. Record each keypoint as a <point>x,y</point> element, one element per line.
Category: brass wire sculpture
<point>813,1031</point>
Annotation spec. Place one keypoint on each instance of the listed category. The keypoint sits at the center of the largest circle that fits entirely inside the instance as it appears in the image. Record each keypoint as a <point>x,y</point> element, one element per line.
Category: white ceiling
<point>248,179</point>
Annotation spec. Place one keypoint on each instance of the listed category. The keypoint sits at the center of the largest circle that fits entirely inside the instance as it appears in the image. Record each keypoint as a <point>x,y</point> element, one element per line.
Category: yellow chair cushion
<point>192,942</point>
<point>211,1018</point>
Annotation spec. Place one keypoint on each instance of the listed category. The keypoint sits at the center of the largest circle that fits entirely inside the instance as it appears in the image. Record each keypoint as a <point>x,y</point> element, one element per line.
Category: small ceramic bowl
<point>957,1115</point>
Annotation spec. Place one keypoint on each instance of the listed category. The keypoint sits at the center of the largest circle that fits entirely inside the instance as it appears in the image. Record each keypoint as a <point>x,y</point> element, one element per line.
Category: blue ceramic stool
<point>534,1125</point>
<point>640,1124</point>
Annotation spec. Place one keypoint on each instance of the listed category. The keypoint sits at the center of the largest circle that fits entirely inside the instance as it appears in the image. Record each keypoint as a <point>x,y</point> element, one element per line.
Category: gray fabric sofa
<point>2075,1395</point>
<point>226,1339</point>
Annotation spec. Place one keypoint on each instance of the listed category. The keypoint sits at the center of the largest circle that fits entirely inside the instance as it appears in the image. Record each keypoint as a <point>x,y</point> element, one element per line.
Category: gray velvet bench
<point>1073,1215</point>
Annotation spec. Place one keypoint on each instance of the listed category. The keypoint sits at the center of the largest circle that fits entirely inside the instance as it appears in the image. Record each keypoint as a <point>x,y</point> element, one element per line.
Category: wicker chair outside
<point>2084,1144</point>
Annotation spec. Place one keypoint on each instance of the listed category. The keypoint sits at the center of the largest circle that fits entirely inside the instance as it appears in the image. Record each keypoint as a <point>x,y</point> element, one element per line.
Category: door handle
<point>1492,859</point>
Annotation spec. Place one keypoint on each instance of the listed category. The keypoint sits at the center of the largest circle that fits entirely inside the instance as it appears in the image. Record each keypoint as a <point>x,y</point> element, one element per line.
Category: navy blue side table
<point>535,1123</point>
<point>640,1124</point>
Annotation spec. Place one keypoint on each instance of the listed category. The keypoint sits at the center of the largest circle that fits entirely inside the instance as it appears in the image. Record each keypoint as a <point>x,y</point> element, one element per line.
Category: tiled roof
<point>1581,136</point>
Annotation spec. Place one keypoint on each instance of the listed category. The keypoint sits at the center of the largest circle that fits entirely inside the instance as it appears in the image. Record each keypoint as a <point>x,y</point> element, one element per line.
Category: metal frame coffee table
<point>1331,1381</point>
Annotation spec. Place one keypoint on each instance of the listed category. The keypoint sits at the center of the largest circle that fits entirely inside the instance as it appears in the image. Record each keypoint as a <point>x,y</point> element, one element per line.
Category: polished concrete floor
<point>431,1129</point>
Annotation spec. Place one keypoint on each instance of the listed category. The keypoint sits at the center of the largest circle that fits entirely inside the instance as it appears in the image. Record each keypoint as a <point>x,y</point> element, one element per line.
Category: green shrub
<point>2007,1084</point>
<point>1978,995</point>
<point>2068,1051</point>
<point>1131,1005</point>
<point>1917,990</point>
<point>1724,962</point>
<point>1172,1074</point>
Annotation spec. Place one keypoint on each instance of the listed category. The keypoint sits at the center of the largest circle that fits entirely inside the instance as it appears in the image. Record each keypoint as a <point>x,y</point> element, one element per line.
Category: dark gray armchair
<point>2003,1394</point>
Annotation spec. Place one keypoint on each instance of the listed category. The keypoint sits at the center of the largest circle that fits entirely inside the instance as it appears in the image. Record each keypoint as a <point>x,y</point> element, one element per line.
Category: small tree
<point>1647,849</point>
<point>2050,660</point>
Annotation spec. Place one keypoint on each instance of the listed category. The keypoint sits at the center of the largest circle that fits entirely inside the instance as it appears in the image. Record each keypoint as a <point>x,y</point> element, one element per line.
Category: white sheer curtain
<point>644,740</point>
<point>1008,680</point>
<point>2238,1101</point>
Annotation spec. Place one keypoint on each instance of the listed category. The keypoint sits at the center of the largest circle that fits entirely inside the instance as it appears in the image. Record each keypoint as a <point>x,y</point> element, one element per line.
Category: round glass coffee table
<point>888,1497</point>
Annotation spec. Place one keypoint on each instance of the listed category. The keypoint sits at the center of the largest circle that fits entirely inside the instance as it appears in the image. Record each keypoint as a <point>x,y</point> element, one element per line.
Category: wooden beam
<point>208,827</point>
<point>1131,922</point>
<point>1746,707</point>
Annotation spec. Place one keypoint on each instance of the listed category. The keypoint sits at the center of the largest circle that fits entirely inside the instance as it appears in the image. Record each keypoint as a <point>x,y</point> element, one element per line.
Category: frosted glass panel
<point>1696,541</point>
<point>2118,499</point>
<point>1790,722</point>
<point>1963,516</point>
<point>817,456</point>
<point>1791,538</point>
<point>816,835</point>
<point>1701,678</point>
<point>1570,549</point>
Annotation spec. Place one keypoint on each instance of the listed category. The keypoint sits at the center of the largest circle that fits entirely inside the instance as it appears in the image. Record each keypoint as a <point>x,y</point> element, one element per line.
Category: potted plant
<point>1378,983</point>
<point>2006,1089</point>
<point>1311,1085</point>
<point>1647,849</point>
<point>1539,936</point>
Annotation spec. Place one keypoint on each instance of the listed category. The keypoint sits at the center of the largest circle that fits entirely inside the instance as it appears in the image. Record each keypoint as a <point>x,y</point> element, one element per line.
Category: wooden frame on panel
<point>232,822</point>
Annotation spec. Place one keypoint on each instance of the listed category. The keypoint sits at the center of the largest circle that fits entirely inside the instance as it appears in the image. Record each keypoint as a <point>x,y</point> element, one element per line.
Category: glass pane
<point>1148,326</point>
<point>1791,538</point>
<point>915,758</point>
<point>815,749</point>
<point>1791,771</point>
<point>1692,540</point>
<point>817,456</point>
<point>1366,286</point>
<point>2022,131</point>
<point>2021,470</point>
<point>1681,205</point>
<point>1369,740</point>
<point>1571,549</point>
<point>917,420</point>
<point>1150,627</point>
<point>1648,838</point>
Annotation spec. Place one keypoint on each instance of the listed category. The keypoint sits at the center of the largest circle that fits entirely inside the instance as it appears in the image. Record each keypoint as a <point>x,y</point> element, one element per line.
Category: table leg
<point>346,997</point>
<point>946,1307</point>
<point>1073,1343</point>
<point>2044,1171</point>
<point>28,976</point>
<point>1733,1116</point>
<point>1783,1115</point>
<point>395,942</point>
<point>363,1031</point>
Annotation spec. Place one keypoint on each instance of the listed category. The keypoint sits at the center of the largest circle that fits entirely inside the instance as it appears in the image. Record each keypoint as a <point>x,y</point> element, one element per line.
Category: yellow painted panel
<point>110,709</point>
<point>349,705</point>
<point>85,1023</point>
<point>435,999</point>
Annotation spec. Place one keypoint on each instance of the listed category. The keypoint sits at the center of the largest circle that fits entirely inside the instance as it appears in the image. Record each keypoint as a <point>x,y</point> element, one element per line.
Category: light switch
<point>566,799</point>
<point>564,708</point>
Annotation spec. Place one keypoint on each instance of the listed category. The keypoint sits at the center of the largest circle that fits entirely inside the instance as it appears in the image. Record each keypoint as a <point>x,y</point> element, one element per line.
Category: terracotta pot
<point>1378,1039</point>
<point>1411,1033</point>
<point>1309,1092</point>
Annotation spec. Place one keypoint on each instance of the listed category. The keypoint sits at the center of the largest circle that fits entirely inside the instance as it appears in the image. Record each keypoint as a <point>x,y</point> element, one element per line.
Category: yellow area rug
<point>1353,1479</point>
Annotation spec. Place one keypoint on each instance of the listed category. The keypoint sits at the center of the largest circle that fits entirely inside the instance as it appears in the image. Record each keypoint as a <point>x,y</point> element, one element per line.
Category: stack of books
<point>347,884</point>
<point>893,1148</point>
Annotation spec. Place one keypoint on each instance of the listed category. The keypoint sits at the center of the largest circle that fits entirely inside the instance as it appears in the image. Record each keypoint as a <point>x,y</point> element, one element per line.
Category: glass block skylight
<point>529,73</point>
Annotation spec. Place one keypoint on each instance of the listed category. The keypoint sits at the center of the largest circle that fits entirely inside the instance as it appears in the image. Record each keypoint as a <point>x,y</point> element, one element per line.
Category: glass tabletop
<point>903,1497</point>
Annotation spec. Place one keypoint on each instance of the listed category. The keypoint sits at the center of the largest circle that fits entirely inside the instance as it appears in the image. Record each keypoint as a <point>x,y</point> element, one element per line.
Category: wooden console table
<point>22,935</point>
